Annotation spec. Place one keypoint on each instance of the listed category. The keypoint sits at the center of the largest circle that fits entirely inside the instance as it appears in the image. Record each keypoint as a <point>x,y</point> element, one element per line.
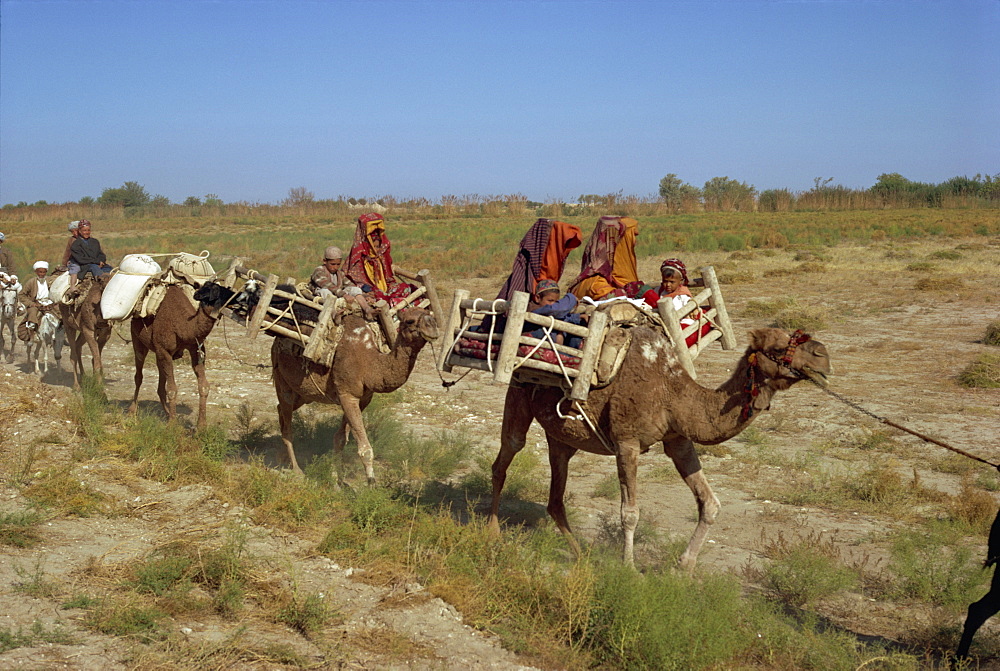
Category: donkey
<point>9,287</point>
<point>49,336</point>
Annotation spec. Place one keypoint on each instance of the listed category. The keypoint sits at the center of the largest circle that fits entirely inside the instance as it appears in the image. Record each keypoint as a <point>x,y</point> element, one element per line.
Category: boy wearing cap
<point>329,280</point>
<point>86,252</point>
<point>34,294</point>
<point>6,258</point>
<point>67,261</point>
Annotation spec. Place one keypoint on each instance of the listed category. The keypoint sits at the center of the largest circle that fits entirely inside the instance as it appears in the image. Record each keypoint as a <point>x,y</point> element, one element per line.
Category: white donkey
<point>49,336</point>
<point>9,308</point>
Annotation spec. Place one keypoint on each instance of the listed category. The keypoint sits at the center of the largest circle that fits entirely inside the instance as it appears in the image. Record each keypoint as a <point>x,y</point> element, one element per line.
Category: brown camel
<point>653,400</point>
<point>177,326</point>
<point>358,372</point>
<point>84,323</point>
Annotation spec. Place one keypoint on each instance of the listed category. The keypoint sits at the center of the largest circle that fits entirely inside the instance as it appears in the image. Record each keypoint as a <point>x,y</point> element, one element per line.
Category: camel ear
<point>757,339</point>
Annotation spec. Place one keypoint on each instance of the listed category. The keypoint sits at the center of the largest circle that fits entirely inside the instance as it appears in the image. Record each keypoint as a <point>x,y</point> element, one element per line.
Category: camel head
<point>417,323</point>
<point>785,358</point>
<point>213,296</point>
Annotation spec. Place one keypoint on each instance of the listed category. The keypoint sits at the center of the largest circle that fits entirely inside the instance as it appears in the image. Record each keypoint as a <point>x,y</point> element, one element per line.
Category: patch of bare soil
<point>895,349</point>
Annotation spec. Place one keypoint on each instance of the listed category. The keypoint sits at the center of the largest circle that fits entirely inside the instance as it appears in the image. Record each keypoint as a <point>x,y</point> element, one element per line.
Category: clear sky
<point>550,99</point>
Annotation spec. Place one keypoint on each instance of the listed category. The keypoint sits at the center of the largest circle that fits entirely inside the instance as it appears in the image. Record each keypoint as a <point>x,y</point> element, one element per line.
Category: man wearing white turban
<point>329,280</point>
<point>34,294</point>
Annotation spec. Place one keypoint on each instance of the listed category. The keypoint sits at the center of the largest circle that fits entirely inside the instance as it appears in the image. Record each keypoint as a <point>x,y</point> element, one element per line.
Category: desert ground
<point>901,322</point>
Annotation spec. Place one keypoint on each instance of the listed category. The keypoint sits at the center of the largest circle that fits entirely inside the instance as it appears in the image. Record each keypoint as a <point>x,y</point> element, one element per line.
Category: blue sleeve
<point>560,308</point>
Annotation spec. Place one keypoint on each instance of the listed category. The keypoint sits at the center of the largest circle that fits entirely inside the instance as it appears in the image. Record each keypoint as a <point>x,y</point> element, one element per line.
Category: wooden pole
<point>717,302</point>
<point>591,348</point>
<point>454,320</point>
<point>665,307</point>
<point>507,357</point>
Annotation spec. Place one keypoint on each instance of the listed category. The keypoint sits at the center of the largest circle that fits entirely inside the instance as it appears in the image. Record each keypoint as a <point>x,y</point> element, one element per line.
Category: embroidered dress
<point>370,261</point>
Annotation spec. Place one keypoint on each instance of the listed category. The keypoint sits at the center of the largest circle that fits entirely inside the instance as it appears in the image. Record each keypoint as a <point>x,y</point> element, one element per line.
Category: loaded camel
<point>84,322</point>
<point>358,372</point>
<point>177,326</point>
<point>9,286</point>
<point>651,400</point>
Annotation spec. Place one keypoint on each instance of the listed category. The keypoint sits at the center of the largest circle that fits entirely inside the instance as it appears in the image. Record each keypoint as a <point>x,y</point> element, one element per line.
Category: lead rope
<point>894,425</point>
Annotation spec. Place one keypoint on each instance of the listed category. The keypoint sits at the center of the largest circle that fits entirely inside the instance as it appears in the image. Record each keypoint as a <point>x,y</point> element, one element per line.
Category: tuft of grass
<point>786,313</point>
<point>803,571</point>
<point>9,639</point>
<point>19,528</point>
<point>983,373</point>
<point>250,433</point>
<point>932,564</point>
<point>307,614</point>
<point>523,480</point>
<point>61,490</point>
<point>126,617</point>
<point>992,335</point>
<point>608,487</point>
<point>947,255</point>
<point>34,583</point>
<point>663,620</point>
<point>973,508</point>
<point>921,267</point>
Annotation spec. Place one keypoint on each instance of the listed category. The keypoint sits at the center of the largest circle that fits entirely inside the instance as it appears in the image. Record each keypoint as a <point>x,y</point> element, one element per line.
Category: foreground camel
<point>652,399</point>
<point>84,322</point>
<point>989,605</point>
<point>177,327</point>
<point>359,371</point>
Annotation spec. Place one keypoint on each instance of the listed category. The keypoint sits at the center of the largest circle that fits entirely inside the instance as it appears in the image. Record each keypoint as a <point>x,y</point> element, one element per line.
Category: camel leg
<point>76,357</point>
<point>140,351</point>
<point>685,459</point>
<point>167,387</point>
<point>517,419</point>
<point>343,433</point>
<point>288,403</point>
<point>627,462</point>
<point>559,455</point>
<point>95,355</point>
<point>198,365</point>
<point>979,612</point>
<point>352,415</point>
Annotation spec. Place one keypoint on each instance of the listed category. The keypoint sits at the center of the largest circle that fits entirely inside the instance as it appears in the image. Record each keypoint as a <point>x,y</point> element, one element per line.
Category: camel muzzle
<point>816,376</point>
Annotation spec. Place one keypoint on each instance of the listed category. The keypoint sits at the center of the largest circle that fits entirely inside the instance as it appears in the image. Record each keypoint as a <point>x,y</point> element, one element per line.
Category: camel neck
<point>716,415</point>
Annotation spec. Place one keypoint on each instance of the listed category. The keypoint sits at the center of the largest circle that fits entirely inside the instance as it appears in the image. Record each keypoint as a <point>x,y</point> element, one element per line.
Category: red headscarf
<point>677,265</point>
<point>370,261</point>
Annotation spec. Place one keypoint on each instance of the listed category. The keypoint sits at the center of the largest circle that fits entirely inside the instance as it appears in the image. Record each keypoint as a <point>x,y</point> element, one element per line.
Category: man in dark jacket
<point>86,252</point>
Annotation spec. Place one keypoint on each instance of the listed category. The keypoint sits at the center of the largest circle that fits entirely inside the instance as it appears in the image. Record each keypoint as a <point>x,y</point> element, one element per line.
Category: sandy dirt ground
<point>896,349</point>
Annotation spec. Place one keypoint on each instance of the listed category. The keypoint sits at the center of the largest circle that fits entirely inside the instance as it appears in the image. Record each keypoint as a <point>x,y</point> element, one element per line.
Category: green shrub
<point>932,564</point>
<point>805,575</point>
<point>664,621</point>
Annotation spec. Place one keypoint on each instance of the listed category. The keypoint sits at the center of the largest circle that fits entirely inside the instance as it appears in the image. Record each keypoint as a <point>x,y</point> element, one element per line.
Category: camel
<point>989,605</point>
<point>358,372</point>
<point>84,323</point>
<point>177,327</point>
<point>652,399</point>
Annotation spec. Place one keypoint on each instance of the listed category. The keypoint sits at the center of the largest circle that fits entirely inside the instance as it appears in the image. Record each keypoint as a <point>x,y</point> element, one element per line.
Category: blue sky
<point>550,99</point>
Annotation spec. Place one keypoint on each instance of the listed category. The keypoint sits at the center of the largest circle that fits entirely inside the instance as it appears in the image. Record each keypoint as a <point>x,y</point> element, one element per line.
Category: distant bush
<point>983,373</point>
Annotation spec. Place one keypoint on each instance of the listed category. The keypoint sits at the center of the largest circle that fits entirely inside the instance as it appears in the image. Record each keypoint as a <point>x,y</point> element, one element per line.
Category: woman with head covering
<point>370,263</point>
<point>541,256</point>
<point>609,259</point>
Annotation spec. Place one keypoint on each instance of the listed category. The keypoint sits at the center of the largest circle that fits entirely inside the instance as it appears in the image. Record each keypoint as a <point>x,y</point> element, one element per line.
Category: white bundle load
<point>194,268</point>
<point>127,285</point>
<point>58,287</point>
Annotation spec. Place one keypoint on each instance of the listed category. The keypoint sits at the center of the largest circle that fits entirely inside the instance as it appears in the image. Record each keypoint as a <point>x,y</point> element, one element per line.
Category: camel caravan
<point>607,367</point>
